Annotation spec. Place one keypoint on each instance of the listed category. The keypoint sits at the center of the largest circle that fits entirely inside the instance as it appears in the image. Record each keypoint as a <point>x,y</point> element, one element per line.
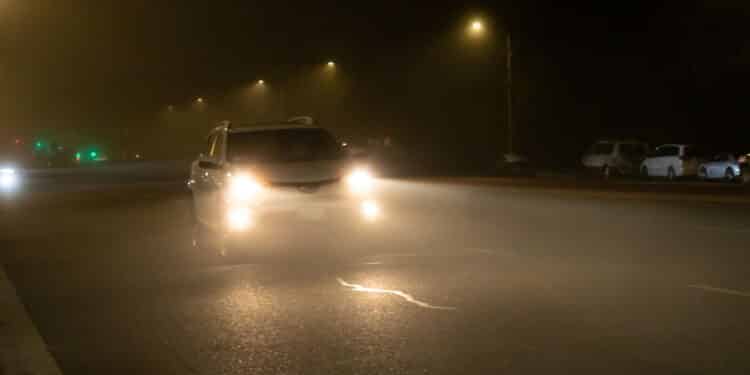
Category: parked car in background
<point>515,165</point>
<point>671,161</point>
<point>723,166</point>
<point>609,157</point>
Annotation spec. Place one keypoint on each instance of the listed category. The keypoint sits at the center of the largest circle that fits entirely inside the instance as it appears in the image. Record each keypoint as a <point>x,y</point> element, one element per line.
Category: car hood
<point>298,172</point>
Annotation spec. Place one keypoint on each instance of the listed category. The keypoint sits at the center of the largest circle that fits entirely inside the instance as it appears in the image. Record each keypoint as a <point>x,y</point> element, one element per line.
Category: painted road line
<point>709,288</point>
<point>405,296</point>
<point>22,350</point>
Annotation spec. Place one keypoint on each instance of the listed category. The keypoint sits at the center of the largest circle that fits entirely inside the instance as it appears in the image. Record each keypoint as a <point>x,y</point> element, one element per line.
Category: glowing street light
<point>261,82</point>
<point>331,64</point>
<point>199,100</point>
<point>476,27</point>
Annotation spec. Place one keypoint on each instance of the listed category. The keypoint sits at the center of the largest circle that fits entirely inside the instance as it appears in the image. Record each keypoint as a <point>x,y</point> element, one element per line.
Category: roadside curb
<point>491,182</point>
<point>22,349</point>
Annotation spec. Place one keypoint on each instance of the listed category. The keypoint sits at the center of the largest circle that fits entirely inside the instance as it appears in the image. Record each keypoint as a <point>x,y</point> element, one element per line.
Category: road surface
<point>452,279</point>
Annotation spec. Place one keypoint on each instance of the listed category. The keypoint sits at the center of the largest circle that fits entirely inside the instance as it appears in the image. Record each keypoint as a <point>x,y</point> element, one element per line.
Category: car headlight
<point>243,188</point>
<point>8,179</point>
<point>239,219</point>
<point>360,181</point>
<point>370,210</point>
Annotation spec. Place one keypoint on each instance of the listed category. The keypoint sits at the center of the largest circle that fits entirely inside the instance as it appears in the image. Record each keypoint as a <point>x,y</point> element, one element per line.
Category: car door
<point>714,168</point>
<point>657,162</point>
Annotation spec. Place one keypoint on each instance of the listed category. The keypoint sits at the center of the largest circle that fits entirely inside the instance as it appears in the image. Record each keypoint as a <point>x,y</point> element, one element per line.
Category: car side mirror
<point>205,164</point>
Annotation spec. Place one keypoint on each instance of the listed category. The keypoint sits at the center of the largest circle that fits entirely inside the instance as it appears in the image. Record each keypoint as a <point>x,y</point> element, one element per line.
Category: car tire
<point>606,172</point>
<point>703,174</point>
<point>671,175</point>
<point>729,175</point>
<point>209,243</point>
<point>644,172</point>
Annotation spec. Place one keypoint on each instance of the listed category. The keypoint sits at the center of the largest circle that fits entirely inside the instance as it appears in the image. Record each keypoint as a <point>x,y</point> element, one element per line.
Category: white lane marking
<point>407,297</point>
<point>709,288</point>
<point>372,263</point>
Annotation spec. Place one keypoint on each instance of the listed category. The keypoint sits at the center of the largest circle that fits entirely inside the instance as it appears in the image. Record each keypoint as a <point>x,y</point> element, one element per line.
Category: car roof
<point>261,126</point>
<point>674,144</point>
<point>612,140</point>
<point>265,127</point>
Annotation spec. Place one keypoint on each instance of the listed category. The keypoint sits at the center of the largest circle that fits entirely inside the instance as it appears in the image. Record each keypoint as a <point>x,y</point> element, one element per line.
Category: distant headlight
<point>360,181</point>
<point>8,179</point>
<point>243,188</point>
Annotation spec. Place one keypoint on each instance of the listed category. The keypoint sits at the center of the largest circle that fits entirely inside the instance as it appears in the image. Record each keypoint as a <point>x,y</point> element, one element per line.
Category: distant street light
<point>261,82</point>
<point>199,100</point>
<point>331,64</point>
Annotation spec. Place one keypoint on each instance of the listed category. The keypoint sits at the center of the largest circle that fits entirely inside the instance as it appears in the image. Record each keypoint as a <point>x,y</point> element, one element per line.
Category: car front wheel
<point>703,174</point>
<point>671,175</point>
<point>729,175</point>
<point>644,172</point>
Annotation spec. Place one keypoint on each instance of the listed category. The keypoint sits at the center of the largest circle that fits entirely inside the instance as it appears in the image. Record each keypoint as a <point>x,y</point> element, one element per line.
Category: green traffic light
<point>92,154</point>
<point>78,156</point>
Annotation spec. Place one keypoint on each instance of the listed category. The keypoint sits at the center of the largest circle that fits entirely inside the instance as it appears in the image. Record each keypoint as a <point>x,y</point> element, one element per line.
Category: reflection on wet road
<point>405,296</point>
<point>448,280</point>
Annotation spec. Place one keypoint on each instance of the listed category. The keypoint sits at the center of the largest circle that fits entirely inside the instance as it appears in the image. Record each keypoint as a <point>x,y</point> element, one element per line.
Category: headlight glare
<point>239,219</point>
<point>243,188</point>
<point>360,181</point>
<point>8,179</point>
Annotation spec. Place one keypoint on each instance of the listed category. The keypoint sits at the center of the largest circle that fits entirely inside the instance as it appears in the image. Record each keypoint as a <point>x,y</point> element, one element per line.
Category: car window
<point>668,151</point>
<point>602,148</point>
<point>283,146</point>
<point>720,157</point>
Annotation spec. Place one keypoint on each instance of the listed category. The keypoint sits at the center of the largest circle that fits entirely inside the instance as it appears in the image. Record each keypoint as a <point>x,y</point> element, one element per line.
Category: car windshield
<point>602,148</point>
<point>283,146</point>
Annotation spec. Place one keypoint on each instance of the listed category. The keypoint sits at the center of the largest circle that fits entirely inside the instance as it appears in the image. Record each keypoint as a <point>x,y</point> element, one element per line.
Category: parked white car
<point>609,157</point>
<point>671,161</point>
<point>726,166</point>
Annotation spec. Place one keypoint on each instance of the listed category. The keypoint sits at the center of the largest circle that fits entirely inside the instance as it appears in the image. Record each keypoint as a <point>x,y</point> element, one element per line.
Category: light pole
<point>476,29</point>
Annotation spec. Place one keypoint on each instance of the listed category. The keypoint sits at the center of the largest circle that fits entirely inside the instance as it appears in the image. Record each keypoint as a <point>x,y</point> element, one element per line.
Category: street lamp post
<point>476,29</point>
<point>509,88</point>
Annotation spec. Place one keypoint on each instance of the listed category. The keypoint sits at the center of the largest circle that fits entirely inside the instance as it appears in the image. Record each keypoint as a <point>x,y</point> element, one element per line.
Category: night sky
<point>675,71</point>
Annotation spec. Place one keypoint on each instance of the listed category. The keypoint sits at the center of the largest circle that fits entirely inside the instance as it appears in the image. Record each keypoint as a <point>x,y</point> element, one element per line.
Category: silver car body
<point>673,160</point>
<point>722,166</point>
<point>620,156</point>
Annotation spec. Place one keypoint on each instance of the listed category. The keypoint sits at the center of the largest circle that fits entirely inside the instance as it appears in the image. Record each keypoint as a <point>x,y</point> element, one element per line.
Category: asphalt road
<point>452,279</point>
